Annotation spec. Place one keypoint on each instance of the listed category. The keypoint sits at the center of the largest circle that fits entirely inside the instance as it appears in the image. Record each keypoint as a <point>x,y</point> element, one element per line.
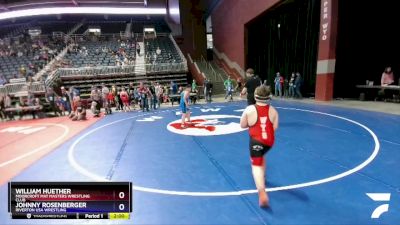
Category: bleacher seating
<point>92,59</point>
<point>96,67</point>
<point>168,54</point>
<point>99,53</point>
<point>28,53</point>
<point>12,30</point>
<point>85,85</point>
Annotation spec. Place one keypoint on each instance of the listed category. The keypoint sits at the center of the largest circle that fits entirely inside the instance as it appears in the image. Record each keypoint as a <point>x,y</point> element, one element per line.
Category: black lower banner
<point>60,216</point>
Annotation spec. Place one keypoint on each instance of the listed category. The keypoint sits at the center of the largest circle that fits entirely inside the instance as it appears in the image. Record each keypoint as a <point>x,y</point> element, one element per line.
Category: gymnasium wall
<point>193,38</point>
<point>228,24</point>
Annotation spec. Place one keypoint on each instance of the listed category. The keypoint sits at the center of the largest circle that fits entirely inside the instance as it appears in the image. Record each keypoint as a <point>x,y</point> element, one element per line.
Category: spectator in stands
<point>138,49</point>
<point>125,61</point>
<point>278,84</point>
<point>22,71</point>
<point>155,58</point>
<point>158,51</point>
<point>29,75</point>
<point>297,85</point>
<point>3,80</point>
<point>253,81</point>
<point>31,66</point>
<point>387,77</point>
<point>30,69</point>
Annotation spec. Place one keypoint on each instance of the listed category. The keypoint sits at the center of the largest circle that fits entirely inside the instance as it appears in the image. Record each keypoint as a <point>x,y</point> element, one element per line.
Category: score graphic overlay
<point>70,200</point>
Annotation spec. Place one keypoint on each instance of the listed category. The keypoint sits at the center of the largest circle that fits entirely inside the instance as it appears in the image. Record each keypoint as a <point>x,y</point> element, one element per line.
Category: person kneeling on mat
<point>80,114</point>
<point>262,121</point>
<point>184,105</point>
<point>96,98</point>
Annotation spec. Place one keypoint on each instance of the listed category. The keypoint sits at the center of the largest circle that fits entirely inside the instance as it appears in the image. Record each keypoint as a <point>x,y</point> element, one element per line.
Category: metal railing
<point>222,74</point>
<point>166,67</point>
<point>217,76</point>
<point>18,88</point>
<point>94,71</point>
<point>47,68</point>
<point>178,49</point>
<point>232,65</point>
<point>115,70</point>
<point>128,69</point>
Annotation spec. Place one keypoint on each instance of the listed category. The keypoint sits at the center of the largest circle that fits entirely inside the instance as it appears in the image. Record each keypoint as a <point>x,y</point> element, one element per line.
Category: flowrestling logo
<point>379,197</point>
<point>207,125</point>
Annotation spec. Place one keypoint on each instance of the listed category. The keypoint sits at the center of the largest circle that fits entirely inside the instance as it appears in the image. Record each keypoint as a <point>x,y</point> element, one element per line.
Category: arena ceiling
<point>12,9</point>
<point>11,5</point>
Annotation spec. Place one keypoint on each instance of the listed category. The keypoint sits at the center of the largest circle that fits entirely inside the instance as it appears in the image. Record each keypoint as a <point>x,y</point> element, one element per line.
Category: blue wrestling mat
<point>329,165</point>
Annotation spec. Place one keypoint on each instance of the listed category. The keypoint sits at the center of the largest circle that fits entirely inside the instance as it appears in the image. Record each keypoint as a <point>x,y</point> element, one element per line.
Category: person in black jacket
<point>153,100</point>
<point>298,82</point>
<point>51,99</point>
<point>208,90</point>
<point>252,82</point>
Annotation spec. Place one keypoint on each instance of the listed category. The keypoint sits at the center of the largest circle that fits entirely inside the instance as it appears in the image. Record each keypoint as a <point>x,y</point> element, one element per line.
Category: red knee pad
<point>257,161</point>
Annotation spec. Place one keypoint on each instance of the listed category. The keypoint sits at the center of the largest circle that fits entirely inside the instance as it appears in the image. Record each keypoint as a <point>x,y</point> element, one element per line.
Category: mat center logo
<point>207,125</point>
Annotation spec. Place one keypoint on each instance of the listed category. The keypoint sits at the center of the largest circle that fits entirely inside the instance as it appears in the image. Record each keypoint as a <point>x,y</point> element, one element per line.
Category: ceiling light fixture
<point>82,10</point>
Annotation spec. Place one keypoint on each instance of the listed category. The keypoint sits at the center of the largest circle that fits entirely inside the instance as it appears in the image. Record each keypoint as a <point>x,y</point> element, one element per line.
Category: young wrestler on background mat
<point>184,105</point>
<point>262,121</point>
